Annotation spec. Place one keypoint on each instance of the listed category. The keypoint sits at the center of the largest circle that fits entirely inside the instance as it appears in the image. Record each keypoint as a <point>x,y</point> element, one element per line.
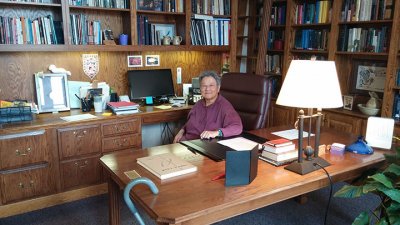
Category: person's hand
<point>209,134</point>
<point>178,136</point>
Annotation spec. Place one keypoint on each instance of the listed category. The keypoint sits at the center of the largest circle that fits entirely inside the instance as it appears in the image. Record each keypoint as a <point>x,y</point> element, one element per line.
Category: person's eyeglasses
<point>204,87</point>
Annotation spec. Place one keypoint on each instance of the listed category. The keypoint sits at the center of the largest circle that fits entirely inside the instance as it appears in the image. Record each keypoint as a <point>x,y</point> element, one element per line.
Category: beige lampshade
<point>311,84</point>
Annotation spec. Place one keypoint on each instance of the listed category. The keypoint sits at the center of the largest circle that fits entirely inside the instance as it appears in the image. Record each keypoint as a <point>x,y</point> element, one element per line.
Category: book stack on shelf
<point>211,7</point>
<point>161,5</point>
<point>312,13</point>
<point>120,4</point>
<point>279,152</point>
<point>166,165</point>
<point>122,108</point>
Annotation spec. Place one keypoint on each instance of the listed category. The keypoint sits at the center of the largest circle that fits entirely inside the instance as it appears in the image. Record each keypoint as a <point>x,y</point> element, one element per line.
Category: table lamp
<point>310,84</point>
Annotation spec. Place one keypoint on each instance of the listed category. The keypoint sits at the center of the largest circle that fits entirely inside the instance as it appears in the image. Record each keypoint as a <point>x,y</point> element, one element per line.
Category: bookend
<point>241,167</point>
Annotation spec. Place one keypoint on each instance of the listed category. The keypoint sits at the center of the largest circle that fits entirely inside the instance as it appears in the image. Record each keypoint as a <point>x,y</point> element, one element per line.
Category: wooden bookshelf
<point>344,61</point>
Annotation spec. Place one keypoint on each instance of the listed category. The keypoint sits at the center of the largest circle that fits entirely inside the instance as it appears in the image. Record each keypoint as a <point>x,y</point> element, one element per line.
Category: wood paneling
<point>17,69</point>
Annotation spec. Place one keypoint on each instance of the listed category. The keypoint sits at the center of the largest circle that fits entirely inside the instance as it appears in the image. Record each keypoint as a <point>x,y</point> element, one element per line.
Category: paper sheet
<point>163,107</point>
<point>239,143</point>
<point>292,134</point>
<point>78,117</point>
<point>380,132</point>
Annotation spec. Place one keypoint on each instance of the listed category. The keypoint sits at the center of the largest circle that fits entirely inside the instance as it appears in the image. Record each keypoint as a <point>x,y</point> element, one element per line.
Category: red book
<point>123,105</point>
<point>279,142</point>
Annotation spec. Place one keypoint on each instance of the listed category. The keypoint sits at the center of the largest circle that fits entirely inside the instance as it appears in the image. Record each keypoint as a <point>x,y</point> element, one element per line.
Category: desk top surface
<point>196,198</point>
<point>149,113</point>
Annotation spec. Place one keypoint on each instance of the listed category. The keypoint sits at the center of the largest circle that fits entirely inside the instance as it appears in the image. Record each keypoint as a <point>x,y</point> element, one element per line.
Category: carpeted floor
<point>94,211</point>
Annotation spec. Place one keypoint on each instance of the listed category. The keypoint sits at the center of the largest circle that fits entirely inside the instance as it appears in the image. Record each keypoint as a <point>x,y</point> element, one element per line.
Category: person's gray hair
<point>212,74</point>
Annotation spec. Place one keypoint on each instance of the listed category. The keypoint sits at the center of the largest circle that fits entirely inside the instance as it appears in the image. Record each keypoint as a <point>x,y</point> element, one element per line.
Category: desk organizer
<point>15,114</point>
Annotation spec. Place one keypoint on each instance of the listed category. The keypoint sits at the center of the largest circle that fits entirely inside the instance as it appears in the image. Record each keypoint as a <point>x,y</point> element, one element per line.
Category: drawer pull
<point>21,185</point>
<point>25,153</point>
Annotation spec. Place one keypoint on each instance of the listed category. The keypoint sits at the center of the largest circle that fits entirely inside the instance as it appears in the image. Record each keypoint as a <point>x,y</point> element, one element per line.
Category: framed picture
<point>348,102</point>
<point>155,5</point>
<point>368,75</point>
<point>152,60</point>
<point>135,61</point>
<point>52,92</point>
<point>164,30</point>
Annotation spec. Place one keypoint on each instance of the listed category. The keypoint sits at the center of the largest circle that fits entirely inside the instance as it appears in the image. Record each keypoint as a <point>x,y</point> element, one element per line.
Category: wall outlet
<point>179,75</point>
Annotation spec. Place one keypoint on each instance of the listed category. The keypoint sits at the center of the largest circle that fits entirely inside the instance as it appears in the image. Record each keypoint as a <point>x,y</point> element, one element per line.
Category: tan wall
<point>17,69</point>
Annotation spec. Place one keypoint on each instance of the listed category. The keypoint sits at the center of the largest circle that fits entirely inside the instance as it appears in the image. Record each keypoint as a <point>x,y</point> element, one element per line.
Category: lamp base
<point>307,166</point>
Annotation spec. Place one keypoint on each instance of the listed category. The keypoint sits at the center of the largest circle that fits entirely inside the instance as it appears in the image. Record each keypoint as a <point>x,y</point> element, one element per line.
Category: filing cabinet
<point>25,166</point>
<point>79,150</point>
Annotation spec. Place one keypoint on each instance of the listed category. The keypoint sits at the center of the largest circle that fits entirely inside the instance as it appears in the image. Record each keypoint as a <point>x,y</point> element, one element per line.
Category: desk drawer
<point>22,149</point>
<point>168,116</point>
<point>122,127</point>
<point>26,184</point>
<point>80,172</point>
<point>77,141</point>
<point>122,142</point>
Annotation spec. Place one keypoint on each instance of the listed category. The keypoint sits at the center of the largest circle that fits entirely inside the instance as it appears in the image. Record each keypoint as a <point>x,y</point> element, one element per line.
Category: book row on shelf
<point>366,10</point>
<point>152,33</point>
<point>273,63</point>
<point>278,15</point>
<point>84,31</point>
<point>211,31</point>
<point>311,39</point>
<point>36,1</point>
<point>161,5</point>
<point>311,13</point>
<point>363,39</point>
<point>211,7</point>
<point>120,4</point>
<point>21,30</point>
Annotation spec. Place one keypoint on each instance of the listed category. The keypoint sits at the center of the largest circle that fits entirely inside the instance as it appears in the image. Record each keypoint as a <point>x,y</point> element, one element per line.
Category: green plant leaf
<point>393,168</point>
<point>382,222</point>
<point>349,191</point>
<point>393,194</point>
<point>362,219</point>
<point>372,186</point>
<point>380,177</point>
<point>394,208</point>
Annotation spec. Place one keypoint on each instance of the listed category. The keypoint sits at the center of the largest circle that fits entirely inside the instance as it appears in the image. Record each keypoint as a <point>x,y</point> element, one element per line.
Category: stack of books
<point>122,108</point>
<point>279,152</point>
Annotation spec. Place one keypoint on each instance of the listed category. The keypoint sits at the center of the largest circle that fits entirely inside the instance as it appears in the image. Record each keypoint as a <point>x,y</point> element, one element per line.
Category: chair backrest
<point>250,95</point>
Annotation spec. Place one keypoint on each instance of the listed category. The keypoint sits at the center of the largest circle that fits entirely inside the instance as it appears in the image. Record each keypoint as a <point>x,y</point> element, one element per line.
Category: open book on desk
<point>166,165</point>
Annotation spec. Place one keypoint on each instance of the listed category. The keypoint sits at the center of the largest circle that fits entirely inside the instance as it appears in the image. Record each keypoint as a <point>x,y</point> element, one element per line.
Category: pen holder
<point>85,105</point>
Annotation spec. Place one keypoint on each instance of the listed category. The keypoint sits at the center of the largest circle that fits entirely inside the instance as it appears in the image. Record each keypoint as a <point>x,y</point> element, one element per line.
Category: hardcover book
<point>290,155</point>
<point>166,165</point>
<point>279,142</point>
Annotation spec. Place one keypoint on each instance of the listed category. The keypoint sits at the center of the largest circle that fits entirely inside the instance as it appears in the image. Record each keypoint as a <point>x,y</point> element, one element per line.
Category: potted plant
<point>386,185</point>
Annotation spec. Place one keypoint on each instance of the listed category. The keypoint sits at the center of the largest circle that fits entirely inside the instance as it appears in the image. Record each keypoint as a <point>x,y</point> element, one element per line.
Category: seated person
<point>213,115</point>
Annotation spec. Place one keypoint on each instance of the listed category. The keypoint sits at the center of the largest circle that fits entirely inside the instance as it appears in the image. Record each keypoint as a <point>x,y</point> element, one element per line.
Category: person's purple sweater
<point>219,115</point>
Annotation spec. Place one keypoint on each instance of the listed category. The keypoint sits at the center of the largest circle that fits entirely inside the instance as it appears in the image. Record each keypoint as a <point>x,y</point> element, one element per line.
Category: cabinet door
<point>25,184</point>
<point>77,141</point>
<point>281,115</point>
<point>80,172</point>
<point>344,123</point>
<point>22,149</point>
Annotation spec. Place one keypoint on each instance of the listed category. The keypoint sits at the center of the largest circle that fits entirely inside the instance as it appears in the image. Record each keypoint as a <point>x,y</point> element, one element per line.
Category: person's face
<point>209,88</point>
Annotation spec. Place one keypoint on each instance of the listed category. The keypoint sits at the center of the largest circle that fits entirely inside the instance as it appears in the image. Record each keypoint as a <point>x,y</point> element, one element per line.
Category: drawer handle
<point>82,134</point>
<point>84,165</point>
<point>22,185</point>
<point>25,153</point>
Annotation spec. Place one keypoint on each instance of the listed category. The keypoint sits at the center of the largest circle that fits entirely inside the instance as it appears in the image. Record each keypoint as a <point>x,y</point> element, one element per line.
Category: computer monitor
<point>154,83</point>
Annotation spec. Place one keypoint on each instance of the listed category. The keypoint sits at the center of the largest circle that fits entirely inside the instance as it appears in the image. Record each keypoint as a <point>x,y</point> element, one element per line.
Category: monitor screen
<point>155,83</point>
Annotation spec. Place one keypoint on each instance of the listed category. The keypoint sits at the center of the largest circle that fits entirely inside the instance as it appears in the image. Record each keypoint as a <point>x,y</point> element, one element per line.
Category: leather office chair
<point>250,95</point>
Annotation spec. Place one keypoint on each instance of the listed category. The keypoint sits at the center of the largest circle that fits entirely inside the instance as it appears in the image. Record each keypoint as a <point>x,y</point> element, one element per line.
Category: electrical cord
<point>330,191</point>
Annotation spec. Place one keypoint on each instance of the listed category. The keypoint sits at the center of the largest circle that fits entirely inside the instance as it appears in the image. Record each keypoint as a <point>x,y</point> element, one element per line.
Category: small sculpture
<point>54,69</point>
<point>374,102</point>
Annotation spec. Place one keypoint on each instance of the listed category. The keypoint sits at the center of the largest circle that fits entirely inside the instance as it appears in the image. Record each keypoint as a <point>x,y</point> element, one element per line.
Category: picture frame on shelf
<point>152,60</point>
<point>151,5</point>
<point>135,61</point>
<point>367,75</point>
<point>348,102</point>
<point>165,29</point>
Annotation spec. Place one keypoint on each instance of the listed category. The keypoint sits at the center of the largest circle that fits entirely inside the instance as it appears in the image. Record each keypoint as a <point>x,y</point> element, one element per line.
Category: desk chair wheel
<point>129,202</point>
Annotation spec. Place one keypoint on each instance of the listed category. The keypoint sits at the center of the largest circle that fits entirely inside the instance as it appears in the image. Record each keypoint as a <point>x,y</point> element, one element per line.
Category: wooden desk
<point>195,199</point>
<point>62,158</point>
